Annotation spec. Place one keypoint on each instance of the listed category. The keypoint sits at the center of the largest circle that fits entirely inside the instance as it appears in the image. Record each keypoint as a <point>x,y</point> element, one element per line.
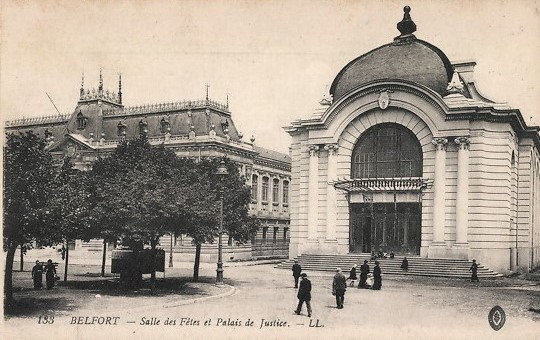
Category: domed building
<point>409,157</point>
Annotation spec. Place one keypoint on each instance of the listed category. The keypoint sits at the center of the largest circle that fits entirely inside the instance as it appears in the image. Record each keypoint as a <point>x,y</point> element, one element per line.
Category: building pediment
<point>71,145</point>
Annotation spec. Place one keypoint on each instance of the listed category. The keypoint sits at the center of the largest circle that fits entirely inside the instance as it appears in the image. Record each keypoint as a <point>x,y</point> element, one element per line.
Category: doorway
<point>385,227</point>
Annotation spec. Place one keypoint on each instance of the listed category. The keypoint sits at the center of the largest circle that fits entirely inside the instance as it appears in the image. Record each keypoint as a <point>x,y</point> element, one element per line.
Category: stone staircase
<point>418,266</point>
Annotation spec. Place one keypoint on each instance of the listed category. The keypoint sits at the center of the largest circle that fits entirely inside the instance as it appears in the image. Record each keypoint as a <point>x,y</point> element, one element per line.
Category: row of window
<point>165,127</point>
<point>275,235</point>
<point>265,188</point>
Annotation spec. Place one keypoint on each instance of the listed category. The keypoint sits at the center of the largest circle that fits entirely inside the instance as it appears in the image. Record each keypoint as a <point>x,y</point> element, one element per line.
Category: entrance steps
<point>418,266</point>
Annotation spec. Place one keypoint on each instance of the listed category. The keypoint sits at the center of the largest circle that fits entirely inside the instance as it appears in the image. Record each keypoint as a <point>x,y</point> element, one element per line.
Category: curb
<point>232,290</point>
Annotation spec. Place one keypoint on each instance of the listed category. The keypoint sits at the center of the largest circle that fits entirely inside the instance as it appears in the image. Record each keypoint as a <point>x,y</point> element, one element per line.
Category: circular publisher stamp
<point>496,318</point>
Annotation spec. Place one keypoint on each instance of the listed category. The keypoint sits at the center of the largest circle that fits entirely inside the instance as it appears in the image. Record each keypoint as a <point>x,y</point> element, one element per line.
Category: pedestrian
<point>373,256</point>
<point>369,281</point>
<point>392,255</point>
<point>474,270</point>
<point>405,264</point>
<point>50,274</point>
<point>296,270</point>
<point>352,276</point>
<point>364,271</point>
<point>304,295</point>
<point>339,286</point>
<point>37,275</point>
<point>377,278</point>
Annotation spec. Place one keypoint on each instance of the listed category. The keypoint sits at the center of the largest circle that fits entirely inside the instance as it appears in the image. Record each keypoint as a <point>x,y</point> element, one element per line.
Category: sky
<point>275,59</point>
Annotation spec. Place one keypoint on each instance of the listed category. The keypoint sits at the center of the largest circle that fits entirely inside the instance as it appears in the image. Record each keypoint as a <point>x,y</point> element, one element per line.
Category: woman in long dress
<point>352,276</point>
<point>377,278</point>
<point>50,274</point>
<point>37,275</point>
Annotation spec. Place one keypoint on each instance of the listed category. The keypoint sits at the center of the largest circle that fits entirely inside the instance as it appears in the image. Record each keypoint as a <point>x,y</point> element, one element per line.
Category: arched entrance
<point>385,187</point>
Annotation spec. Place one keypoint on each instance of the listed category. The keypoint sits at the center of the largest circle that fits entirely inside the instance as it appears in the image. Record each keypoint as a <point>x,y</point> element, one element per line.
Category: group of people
<point>367,280</point>
<point>339,284</point>
<point>50,274</point>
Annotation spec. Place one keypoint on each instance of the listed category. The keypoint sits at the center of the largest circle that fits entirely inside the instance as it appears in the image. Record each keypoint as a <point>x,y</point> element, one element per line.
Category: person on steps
<point>296,270</point>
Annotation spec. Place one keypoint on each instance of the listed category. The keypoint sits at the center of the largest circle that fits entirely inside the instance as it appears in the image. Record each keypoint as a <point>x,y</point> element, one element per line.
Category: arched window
<point>165,125</point>
<point>121,129</point>
<point>387,151</point>
<point>143,127</point>
<point>81,121</point>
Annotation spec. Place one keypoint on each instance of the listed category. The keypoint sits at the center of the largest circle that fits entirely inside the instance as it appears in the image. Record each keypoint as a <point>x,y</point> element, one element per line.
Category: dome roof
<point>405,58</point>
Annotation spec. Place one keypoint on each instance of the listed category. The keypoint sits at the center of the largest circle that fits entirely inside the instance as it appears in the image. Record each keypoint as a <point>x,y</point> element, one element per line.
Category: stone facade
<point>479,185</point>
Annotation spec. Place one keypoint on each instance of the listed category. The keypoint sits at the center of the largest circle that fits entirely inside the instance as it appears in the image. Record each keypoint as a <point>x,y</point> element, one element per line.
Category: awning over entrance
<point>382,184</point>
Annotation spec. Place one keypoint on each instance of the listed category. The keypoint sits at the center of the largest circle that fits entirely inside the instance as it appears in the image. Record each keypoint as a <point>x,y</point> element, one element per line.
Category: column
<point>384,220</point>
<point>331,198</point>
<point>439,189</point>
<point>462,195</point>
<point>312,191</point>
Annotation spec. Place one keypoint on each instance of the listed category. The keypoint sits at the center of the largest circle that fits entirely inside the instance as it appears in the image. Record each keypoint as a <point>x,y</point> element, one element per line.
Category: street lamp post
<point>170,253</point>
<point>221,173</point>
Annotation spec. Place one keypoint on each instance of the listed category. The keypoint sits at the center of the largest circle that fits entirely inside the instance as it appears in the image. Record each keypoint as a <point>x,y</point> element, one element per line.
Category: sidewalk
<point>86,290</point>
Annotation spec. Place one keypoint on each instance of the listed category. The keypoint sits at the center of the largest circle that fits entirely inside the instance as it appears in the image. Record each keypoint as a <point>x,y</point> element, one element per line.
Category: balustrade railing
<point>382,184</point>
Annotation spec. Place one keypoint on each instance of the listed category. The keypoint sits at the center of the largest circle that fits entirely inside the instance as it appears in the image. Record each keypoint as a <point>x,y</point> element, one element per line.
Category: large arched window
<point>387,151</point>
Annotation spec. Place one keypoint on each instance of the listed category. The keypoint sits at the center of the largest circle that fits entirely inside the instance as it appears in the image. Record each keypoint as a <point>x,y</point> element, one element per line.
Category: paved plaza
<point>264,298</point>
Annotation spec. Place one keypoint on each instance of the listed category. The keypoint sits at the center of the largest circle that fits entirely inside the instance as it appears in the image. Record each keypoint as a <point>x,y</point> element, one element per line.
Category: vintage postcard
<point>270,169</point>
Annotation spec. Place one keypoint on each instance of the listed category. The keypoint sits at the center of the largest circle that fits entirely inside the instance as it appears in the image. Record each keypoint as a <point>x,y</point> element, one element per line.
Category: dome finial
<point>455,86</point>
<point>406,26</point>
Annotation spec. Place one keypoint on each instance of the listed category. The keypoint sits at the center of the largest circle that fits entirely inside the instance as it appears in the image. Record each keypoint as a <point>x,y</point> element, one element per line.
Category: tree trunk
<point>153,259</point>
<point>22,258</point>
<point>8,276</point>
<point>197,262</point>
<point>67,258</point>
<point>104,258</point>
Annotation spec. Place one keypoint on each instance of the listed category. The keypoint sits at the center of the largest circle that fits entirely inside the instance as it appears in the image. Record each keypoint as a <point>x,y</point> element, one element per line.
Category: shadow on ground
<point>67,296</point>
<point>33,306</point>
<point>163,287</point>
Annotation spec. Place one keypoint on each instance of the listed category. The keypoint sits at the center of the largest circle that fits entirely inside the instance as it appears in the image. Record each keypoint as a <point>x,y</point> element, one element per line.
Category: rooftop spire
<point>207,86</point>
<point>82,86</point>
<point>119,88</point>
<point>406,26</point>
<point>100,87</point>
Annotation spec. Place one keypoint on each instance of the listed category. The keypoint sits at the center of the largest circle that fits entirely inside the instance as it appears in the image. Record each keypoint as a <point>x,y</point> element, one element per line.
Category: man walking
<point>304,295</point>
<point>296,270</point>
<point>364,271</point>
<point>339,286</point>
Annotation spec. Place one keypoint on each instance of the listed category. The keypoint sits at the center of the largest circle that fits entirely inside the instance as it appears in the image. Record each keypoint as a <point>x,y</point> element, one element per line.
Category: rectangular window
<point>285,192</point>
<point>265,231</point>
<point>254,188</point>
<point>275,191</point>
<point>285,230</point>
<point>275,233</point>
<point>265,189</point>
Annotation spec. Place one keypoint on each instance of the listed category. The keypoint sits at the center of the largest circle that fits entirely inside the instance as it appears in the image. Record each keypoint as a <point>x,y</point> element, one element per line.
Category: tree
<point>138,193</point>
<point>236,197</point>
<point>69,207</point>
<point>28,184</point>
